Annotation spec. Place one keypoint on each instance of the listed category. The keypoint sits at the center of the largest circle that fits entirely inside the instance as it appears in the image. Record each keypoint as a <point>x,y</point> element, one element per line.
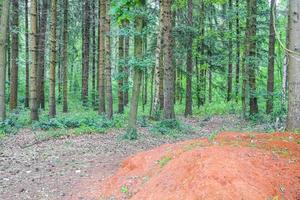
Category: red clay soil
<point>231,166</point>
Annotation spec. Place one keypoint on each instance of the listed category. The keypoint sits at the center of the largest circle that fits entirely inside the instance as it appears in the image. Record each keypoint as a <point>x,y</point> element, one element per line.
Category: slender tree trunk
<point>145,99</point>
<point>108,63</point>
<point>41,54</point>
<point>94,18</point>
<point>86,52</point>
<point>189,64</point>
<point>65,57</point>
<point>8,49</point>
<point>3,37</point>
<point>26,57</point>
<point>293,121</point>
<point>121,74</point>
<point>33,64</point>
<point>158,69</point>
<point>198,86</point>
<point>229,80</point>
<point>270,86</point>
<point>52,102</point>
<point>138,73</point>
<point>238,36</point>
<point>126,68</point>
<point>102,14</point>
<point>202,53</point>
<point>14,55</point>
<point>251,54</point>
<point>126,71</point>
<point>169,112</point>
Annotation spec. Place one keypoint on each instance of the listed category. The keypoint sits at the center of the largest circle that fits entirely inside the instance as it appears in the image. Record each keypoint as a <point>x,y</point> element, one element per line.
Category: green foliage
<point>15,120</point>
<point>131,134</point>
<point>124,189</point>
<point>173,128</point>
<point>81,123</point>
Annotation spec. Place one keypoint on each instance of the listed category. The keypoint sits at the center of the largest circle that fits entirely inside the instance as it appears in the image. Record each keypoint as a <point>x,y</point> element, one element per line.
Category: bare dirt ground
<point>72,167</point>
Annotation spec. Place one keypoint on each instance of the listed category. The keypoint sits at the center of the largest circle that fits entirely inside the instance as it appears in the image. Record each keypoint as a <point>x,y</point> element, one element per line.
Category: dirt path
<point>71,167</point>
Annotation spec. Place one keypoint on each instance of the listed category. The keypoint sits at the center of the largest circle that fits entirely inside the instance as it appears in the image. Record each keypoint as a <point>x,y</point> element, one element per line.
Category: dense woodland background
<point>65,61</point>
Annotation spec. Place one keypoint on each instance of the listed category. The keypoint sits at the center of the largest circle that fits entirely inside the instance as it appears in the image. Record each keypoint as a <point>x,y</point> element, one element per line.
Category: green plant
<point>131,134</point>
<point>172,128</point>
<point>124,189</point>
<point>164,161</point>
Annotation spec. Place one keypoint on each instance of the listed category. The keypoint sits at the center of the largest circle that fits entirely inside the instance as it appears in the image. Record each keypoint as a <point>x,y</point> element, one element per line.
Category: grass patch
<point>193,146</point>
<point>164,161</point>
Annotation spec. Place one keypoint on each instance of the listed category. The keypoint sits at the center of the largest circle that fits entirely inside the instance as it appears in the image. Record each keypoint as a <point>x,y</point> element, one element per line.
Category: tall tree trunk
<point>169,70</point>
<point>102,14</point>
<point>14,55</point>
<point>238,36</point>
<point>293,121</point>
<point>198,88</point>
<point>126,67</point>
<point>8,49</point>
<point>65,57</point>
<point>41,54</point>
<point>251,55</point>
<point>138,73</point>
<point>86,52</point>
<point>229,76</point>
<point>108,63</point>
<point>202,53</point>
<point>145,99</point>
<point>121,73</point>
<point>3,37</point>
<point>94,49</point>
<point>158,69</point>
<point>270,86</point>
<point>189,64</point>
<point>33,64</point>
<point>26,57</point>
<point>52,102</point>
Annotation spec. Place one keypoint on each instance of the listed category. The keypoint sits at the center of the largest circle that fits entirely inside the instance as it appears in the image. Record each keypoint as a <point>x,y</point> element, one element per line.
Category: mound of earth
<point>230,166</point>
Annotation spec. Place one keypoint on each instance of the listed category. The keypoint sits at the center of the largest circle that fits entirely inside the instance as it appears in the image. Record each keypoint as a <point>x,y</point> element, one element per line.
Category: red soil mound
<point>232,166</point>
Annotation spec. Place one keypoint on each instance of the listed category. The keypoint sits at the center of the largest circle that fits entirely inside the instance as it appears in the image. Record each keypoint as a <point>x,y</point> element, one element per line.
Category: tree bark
<point>138,73</point>
<point>3,37</point>
<point>86,52</point>
<point>52,102</point>
<point>270,85</point>
<point>189,64</point>
<point>229,76</point>
<point>238,57</point>
<point>251,55</point>
<point>169,112</point>
<point>41,54</point>
<point>121,74</point>
<point>102,14</point>
<point>26,57</point>
<point>94,51</point>
<point>65,57</point>
<point>126,70</point>
<point>14,55</point>
<point>158,69</point>
<point>108,63</point>
<point>293,121</point>
<point>33,64</point>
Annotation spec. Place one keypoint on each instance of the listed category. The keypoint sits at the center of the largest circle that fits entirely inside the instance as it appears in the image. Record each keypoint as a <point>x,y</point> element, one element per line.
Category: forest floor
<point>72,167</point>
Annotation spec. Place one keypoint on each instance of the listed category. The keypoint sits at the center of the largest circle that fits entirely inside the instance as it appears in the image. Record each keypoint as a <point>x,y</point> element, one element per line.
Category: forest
<point>117,77</point>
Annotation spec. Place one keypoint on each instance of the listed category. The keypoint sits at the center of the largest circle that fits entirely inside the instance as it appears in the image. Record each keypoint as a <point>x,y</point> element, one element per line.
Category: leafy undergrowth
<point>228,166</point>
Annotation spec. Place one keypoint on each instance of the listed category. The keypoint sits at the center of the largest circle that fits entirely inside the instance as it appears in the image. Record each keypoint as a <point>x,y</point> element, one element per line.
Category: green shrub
<point>172,128</point>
